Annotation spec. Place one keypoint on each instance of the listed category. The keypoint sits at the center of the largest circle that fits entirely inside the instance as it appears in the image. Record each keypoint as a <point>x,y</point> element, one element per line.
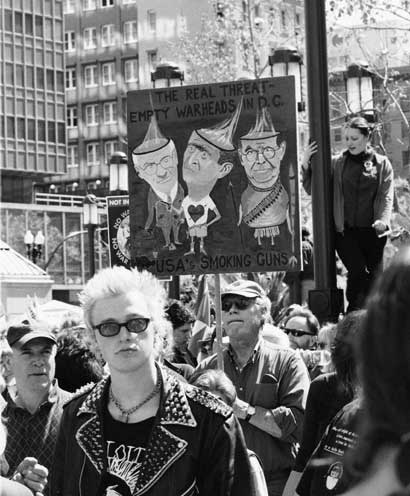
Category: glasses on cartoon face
<point>297,333</point>
<point>110,329</point>
<point>268,152</point>
<point>240,302</point>
<point>151,168</point>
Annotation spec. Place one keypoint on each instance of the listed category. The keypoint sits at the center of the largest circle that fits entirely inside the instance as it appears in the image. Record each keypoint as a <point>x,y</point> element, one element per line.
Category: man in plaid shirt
<point>33,414</point>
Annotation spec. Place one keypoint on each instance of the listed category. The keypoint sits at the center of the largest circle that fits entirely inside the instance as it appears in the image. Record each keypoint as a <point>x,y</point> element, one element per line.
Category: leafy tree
<point>235,39</point>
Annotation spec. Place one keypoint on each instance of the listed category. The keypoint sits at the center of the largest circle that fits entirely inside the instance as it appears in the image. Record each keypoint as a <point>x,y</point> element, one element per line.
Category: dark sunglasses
<point>297,333</point>
<point>240,302</point>
<point>109,329</point>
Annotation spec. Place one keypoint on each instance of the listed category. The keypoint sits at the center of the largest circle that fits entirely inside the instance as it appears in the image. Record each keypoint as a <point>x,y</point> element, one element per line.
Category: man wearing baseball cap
<point>271,382</point>
<point>33,413</point>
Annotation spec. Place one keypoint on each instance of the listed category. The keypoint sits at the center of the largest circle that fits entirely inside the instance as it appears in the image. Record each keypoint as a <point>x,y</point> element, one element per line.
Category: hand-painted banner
<point>214,183</point>
<point>118,215</point>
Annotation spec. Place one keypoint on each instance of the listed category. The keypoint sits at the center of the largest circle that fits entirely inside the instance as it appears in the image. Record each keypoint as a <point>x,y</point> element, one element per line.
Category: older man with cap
<point>33,413</point>
<point>271,382</point>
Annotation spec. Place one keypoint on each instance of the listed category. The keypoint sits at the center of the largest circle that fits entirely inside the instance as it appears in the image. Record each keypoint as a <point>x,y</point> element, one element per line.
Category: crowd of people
<point>127,401</point>
<point>117,404</point>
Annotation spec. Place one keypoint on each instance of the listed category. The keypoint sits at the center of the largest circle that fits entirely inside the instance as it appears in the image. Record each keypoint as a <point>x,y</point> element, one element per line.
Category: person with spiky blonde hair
<point>142,430</point>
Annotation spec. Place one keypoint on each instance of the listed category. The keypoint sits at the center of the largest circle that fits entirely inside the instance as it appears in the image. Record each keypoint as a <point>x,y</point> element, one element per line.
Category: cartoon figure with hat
<point>156,162</point>
<point>265,202</point>
<point>209,156</point>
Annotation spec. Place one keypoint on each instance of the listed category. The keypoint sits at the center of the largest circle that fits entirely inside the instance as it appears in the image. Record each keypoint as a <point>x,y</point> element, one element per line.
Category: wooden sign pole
<point>219,346</point>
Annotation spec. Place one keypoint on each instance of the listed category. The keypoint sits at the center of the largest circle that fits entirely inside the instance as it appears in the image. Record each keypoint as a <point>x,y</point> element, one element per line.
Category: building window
<point>109,148</point>
<point>70,79</point>
<point>93,152</point>
<point>39,26</point>
<point>297,19</point>
<point>69,6</point>
<point>107,35</point>
<point>28,24</point>
<point>40,78</point>
<point>72,117</point>
<point>152,59</point>
<point>90,76</point>
<point>338,135</point>
<point>404,130</point>
<point>31,129</point>
<point>131,70</point>
<point>152,21</point>
<point>130,31</point>
<point>21,128</point>
<point>90,38</point>
<point>50,79</point>
<point>69,41</point>
<point>110,112</point>
<point>91,115</point>
<point>405,156</point>
<point>108,73</point>
<point>72,156</point>
<point>283,19</point>
<point>51,131</point>
<point>8,20</point>
<point>41,130</point>
<point>89,5</point>
<point>19,75</point>
<point>107,3</point>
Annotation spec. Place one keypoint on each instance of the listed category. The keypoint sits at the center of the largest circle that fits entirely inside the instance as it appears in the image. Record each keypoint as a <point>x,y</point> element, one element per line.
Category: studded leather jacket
<point>196,446</point>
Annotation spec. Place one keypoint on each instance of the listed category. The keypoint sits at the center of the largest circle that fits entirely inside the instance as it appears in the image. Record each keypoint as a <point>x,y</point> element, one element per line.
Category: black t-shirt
<point>326,474</point>
<point>125,448</point>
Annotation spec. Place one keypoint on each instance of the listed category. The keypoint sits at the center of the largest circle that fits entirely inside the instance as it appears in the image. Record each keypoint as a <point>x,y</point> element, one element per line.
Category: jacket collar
<point>163,447</point>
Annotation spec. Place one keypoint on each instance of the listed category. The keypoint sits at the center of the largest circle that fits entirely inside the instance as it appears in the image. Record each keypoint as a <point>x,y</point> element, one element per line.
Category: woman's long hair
<point>343,350</point>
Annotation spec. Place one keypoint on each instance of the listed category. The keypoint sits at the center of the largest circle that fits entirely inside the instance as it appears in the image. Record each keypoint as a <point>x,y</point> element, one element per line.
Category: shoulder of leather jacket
<point>81,391</point>
<point>208,400</point>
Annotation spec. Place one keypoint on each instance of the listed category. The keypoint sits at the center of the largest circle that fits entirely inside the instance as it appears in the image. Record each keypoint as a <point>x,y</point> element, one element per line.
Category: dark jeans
<point>361,252</point>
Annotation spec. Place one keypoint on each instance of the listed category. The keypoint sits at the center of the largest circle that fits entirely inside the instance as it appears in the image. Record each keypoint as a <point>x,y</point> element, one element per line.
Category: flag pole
<point>218,312</point>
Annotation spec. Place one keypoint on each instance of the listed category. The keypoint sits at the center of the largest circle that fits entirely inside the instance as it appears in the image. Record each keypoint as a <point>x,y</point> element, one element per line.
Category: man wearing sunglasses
<point>271,382</point>
<point>302,328</point>
<point>141,430</point>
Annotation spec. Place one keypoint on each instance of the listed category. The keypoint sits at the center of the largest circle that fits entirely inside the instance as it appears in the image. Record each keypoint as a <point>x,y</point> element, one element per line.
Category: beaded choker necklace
<point>126,413</point>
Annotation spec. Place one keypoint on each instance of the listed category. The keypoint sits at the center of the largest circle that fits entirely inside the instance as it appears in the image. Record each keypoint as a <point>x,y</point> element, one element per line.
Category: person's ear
<point>282,150</point>
<point>225,169</point>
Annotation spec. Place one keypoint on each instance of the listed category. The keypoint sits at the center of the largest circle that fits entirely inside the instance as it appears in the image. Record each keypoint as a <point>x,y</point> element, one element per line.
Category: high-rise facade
<point>111,47</point>
<point>32,108</point>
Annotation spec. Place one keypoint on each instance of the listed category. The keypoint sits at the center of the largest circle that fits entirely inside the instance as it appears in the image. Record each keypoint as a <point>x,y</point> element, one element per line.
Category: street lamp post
<point>118,173</point>
<point>359,88</point>
<point>326,300</point>
<point>90,220</point>
<point>168,74</point>
<point>34,245</point>
<point>287,61</point>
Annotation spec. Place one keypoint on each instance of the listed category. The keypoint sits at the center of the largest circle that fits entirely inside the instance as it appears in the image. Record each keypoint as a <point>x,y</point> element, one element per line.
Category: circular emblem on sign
<point>334,474</point>
<point>123,236</point>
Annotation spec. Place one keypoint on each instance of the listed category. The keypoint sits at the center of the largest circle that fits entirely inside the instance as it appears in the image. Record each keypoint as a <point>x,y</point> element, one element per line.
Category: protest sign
<point>214,183</point>
<point>118,216</point>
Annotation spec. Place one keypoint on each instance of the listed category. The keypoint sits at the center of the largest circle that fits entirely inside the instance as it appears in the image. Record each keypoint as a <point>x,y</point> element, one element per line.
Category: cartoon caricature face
<point>201,165</point>
<point>158,168</point>
<point>261,160</point>
<point>123,235</point>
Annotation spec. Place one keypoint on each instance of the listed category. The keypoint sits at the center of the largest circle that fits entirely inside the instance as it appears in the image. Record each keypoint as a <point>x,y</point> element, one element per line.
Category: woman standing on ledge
<point>362,206</point>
